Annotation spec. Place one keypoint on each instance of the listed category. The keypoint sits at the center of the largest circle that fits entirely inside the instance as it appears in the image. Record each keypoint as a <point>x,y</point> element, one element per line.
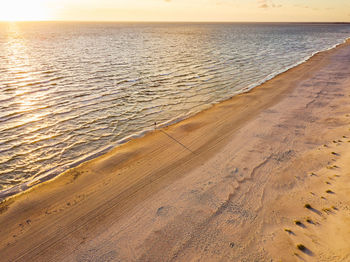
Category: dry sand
<point>249,167</point>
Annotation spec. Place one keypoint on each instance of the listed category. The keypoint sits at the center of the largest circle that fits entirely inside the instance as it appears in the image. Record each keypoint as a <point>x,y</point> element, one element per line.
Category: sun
<point>23,10</point>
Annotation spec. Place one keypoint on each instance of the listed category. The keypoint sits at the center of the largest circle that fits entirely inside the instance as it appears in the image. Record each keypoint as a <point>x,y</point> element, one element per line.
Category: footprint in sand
<point>290,232</point>
<point>304,249</point>
<point>164,210</point>
<point>310,221</point>
<point>335,154</point>
<point>327,210</point>
<point>309,207</point>
<point>299,223</point>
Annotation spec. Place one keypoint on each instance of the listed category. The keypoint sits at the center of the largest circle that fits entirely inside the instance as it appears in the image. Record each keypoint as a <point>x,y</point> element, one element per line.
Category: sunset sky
<point>176,10</point>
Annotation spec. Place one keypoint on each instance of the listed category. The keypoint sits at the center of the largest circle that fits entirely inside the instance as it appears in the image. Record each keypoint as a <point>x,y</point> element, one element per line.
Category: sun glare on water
<point>23,10</point>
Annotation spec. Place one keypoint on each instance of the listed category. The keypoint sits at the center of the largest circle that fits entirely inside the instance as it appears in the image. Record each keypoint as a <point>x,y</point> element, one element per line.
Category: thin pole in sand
<point>155,127</point>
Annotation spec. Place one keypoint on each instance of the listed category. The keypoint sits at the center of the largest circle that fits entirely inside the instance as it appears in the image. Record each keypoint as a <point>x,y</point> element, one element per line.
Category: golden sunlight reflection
<point>19,66</point>
<point>23,10</point>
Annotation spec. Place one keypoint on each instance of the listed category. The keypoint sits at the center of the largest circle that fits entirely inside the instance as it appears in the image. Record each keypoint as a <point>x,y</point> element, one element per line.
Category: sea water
<point>72,91</point>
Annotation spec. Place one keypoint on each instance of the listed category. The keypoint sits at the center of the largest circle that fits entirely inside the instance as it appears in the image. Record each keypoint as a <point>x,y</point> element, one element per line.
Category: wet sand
<point>229,184</point>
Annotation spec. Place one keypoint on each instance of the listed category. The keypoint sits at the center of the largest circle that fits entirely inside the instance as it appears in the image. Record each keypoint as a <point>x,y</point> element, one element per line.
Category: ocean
<point>72,91</point>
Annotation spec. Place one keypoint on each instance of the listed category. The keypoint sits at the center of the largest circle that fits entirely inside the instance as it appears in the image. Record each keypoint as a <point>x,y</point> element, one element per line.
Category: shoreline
<point>22,188</point>
<point>251,165</point>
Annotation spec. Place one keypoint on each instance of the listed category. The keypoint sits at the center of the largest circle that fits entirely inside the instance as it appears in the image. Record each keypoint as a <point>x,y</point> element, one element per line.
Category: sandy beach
<point>263,176</point>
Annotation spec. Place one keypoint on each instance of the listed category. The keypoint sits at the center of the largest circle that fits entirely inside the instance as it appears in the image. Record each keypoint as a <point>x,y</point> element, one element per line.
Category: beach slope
<point>262,176</point>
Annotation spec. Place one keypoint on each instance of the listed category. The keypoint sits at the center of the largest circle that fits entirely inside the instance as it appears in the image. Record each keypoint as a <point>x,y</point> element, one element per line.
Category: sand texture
<point>246,180</point>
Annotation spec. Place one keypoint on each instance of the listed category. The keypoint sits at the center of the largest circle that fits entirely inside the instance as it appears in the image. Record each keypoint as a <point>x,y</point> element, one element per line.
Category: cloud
<point>263,4</point>
<point>267,4</point>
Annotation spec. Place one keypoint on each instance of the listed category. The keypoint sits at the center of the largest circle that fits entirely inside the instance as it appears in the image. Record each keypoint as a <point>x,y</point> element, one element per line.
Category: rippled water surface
<point>69,90</point>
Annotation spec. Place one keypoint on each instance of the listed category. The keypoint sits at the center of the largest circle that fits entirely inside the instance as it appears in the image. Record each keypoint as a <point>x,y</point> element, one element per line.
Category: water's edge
<point>21,188</point>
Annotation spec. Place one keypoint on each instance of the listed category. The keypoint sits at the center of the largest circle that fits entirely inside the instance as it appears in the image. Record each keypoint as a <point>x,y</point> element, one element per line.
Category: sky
<point>177,10</point>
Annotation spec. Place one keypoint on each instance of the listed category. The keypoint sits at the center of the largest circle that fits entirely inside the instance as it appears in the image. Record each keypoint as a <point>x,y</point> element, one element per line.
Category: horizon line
<point>159,21</point>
